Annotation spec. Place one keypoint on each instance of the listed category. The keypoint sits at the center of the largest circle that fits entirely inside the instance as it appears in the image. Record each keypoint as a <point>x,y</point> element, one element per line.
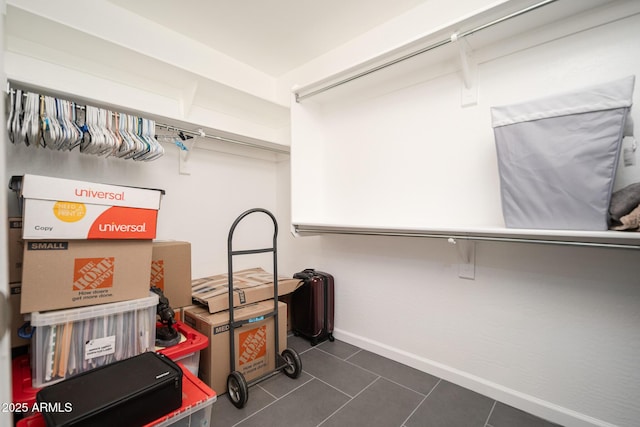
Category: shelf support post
<point>185,155</point>
<point>467,256</point>
<point>469,67</point>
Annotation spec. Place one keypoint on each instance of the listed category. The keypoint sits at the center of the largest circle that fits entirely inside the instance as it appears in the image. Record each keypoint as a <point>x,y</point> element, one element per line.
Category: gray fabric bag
<point>557,156</point>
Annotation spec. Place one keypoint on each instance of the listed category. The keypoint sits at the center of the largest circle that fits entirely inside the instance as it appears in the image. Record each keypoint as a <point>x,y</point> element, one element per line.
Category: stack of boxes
<point>81,261</point>
<point>81,267</point>
<point>86,257</point>
<point>14,238</point>
<point>254,351</point>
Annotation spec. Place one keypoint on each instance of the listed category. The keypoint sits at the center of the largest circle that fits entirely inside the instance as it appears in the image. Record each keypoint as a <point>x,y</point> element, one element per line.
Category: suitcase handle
<point>305,274</point>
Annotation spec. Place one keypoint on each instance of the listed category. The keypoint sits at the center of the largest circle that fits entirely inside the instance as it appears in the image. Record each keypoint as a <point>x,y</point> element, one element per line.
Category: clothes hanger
<point>12,112</point>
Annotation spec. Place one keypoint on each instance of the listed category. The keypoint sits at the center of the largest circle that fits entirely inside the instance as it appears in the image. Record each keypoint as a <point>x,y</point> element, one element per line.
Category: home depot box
<point>254,342</point>
<point>249,286</point>
<point>73,273</point>
<point>56,208</point>
<point>171,271</point>
<point>14,238</point>
<point>16,320</point>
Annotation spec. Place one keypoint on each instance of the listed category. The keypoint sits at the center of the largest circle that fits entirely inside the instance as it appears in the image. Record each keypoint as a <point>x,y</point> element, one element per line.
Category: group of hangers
<point>58,124</point>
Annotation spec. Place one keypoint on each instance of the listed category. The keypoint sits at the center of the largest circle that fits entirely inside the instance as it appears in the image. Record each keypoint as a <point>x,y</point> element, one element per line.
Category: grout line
<point>271,403</point>
<point>267,391</point>
<point>388,379</point>
<point>421,402</point>
<point>347,359</point>
<point>486,423</point>
<point>348,401</point>
<point>337,357</point>
<point>335,388</point>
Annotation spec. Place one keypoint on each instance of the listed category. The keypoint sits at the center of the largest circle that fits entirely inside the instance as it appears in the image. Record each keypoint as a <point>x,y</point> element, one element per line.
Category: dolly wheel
<point>238,389</point>
<point>293,369</point>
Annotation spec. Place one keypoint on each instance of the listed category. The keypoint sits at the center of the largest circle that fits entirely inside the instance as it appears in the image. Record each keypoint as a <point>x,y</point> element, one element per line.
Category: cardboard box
<point>17,320</point>
<point>56,208</point>
<point>16,247</point>
<point>249,286</point>
<point>171,271</point>
<point>74,273</point>
<point>254,342</point>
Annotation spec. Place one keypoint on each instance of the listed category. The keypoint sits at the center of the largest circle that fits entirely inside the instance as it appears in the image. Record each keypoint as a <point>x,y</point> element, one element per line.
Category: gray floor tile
<point>280,384</point>
<point>449,405</point>
<point>382,404</point>
<point>344,376</point>
<point>307,406</point>
<point>394,371</point>
<point>224,414</point>
<point>508,416</point>
<point>342,385</point>
<point>339,349</point>
<point>298,344</point>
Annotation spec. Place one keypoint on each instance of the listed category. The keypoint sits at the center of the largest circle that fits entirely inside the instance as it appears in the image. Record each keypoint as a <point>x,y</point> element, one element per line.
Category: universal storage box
<point>57,208</point>
<point>68,342</point>
<point>557,156</point>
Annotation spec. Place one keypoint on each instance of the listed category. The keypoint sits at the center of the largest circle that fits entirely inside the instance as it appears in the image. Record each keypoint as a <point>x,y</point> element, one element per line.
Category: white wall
<point>5,353</point>
<point>198,208</point>
<point>551,330</point>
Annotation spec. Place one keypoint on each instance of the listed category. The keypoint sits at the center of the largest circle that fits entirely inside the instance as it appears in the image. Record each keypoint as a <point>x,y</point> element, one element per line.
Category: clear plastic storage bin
<point>187,351</point>
<point>68,342</point>
<point>557,156</point>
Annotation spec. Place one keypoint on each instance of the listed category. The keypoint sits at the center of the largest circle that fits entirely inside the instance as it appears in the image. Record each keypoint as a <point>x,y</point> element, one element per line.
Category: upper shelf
<point>611,239</point>
<point>386,145</point>
<point>485,28</point>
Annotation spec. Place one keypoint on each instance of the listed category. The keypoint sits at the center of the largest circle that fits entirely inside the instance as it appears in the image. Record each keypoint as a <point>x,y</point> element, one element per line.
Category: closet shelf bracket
<point>187,99</point>
<point>466,250</point>
<point>469,67</point>
<point>185,155</point>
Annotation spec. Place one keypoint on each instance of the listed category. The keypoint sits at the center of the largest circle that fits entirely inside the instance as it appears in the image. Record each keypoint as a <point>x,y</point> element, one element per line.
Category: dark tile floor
<point>343,385</point>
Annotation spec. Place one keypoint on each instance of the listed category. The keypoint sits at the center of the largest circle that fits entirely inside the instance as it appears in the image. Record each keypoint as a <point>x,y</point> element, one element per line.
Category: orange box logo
<point>253,345</point>
<point>93,273</point>
<point>118,222</point>
<point>157,274</point>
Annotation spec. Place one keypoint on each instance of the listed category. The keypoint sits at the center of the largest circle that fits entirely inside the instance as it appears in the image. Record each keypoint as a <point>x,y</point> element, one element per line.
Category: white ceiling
<point>274,36</point>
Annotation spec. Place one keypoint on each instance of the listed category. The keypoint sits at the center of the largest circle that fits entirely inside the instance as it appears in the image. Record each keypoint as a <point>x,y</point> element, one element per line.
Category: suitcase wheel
<point>293,367</point>
<point>331,338</point>
<point>238,389</point>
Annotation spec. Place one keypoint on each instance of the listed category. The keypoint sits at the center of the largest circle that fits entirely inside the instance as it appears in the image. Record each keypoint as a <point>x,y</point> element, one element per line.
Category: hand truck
<point>289,361</point>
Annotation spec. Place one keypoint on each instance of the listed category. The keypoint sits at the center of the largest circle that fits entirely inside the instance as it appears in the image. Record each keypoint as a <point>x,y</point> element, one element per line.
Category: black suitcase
<point>312,306</point>
<point>129,392</point>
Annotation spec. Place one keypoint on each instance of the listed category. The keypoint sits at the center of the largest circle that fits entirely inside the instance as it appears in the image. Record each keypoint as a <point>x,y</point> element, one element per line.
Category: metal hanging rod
<point>397,233</point>
<point>199,133</point>
<point>433,46</point>
<point>202,134</point>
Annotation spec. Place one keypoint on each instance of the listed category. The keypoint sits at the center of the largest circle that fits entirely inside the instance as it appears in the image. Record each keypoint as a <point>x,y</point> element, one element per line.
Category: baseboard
<point>541,408</point>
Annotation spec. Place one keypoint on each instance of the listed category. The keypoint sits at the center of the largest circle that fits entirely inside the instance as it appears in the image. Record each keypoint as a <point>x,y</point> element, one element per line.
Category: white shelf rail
<point>601,239</point>
<point>300,95</point>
